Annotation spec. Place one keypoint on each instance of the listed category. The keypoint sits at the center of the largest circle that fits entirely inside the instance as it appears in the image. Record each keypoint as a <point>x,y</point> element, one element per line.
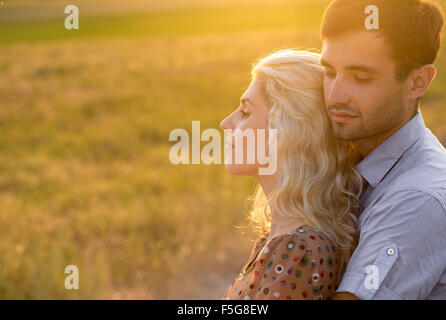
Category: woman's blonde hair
<point>316,178</point>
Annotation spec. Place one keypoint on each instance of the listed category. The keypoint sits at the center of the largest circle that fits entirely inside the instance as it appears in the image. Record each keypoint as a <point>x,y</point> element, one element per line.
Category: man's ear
<point>421,79</point>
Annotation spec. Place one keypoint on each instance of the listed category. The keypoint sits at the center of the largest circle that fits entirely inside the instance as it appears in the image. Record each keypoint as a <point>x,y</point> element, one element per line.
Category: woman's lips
<point>229,147</point>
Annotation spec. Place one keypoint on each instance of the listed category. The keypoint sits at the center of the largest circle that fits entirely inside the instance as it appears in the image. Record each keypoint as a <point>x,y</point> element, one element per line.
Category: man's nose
<point>337,93</point>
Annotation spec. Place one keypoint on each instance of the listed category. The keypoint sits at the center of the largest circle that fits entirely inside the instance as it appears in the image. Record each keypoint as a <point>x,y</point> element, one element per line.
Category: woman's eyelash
<point>245,114</point>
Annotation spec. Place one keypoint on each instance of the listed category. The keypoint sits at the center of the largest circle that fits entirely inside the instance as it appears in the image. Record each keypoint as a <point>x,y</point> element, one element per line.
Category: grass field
<point>85,116</point>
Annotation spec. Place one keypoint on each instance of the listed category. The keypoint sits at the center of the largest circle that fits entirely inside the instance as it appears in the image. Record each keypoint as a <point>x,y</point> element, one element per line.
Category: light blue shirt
<point>401,252</point>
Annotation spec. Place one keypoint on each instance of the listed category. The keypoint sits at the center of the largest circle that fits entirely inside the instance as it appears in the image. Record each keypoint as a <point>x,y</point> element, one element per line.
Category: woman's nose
<point>225,124</point>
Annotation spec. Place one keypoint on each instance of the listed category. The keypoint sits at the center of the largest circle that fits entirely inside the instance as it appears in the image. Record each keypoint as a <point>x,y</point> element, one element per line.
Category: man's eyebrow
<point>362,68</point>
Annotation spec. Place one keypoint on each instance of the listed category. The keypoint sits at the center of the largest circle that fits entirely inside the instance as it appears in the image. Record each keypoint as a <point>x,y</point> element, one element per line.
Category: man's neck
<point>366,146</point>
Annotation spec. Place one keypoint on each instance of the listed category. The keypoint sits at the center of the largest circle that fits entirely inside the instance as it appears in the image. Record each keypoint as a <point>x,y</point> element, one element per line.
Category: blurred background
<point>85,116</point>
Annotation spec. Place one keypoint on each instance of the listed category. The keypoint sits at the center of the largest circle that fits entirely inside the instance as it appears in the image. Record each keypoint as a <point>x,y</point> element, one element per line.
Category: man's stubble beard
<point>387,117</point>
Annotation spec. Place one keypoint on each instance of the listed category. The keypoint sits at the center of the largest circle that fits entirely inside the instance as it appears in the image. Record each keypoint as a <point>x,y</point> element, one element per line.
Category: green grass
<point>85,177</point>
<point>183,21</point>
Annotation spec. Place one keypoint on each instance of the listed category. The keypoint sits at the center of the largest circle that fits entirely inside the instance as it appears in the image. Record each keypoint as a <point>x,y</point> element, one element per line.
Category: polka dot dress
<point>302,265</point>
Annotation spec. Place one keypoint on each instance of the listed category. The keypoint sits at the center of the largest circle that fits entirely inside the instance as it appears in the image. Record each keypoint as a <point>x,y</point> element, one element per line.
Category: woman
<point>306,212</point>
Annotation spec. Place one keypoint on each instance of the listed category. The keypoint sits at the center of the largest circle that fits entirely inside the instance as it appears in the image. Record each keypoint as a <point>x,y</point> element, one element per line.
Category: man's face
<point>362,95</point>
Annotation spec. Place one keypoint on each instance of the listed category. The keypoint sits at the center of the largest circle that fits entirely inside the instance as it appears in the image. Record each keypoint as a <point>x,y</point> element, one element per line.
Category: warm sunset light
<point>117,118</point>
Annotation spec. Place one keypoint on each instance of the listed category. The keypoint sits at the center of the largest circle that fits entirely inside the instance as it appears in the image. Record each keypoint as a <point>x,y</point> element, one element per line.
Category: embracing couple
<point>357,206</point>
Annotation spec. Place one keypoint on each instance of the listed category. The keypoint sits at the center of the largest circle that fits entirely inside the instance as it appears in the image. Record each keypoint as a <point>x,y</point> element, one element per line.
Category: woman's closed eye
<point>330,74</point>
<point>244,114</point>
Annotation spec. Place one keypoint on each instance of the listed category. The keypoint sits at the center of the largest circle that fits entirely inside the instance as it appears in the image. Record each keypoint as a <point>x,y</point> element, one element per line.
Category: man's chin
<point>343,135</point>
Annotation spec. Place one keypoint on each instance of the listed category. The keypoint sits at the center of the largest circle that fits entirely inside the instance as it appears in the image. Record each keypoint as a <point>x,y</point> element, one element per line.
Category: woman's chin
<point>241,170</point>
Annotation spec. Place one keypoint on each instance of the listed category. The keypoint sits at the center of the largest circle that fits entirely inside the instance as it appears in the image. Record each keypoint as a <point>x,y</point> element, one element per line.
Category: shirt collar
<point>377,164</point>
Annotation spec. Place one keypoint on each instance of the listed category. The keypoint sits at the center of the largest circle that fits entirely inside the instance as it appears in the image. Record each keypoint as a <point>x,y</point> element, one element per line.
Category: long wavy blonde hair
<point>317,178</point>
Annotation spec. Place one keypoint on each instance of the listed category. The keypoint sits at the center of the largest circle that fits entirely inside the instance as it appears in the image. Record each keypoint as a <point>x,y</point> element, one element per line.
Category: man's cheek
<point>327,85</point>
<point>368,94</point>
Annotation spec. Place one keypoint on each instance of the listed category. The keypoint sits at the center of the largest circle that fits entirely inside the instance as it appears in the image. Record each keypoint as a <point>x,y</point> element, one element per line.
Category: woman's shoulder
<point>306,245</point>
<point>298,265</point>
<point>305,237</point>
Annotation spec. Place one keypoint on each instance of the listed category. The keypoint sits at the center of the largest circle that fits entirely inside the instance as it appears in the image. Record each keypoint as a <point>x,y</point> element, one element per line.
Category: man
<point>373,84</point>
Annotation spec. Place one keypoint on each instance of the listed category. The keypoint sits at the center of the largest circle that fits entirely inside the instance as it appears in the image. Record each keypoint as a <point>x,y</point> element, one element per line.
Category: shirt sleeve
<point>401,252</point>
<point>296,267</point>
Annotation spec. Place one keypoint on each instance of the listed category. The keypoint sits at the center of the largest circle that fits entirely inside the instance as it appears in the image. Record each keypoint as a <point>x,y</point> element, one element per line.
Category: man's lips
<point>341,116</point>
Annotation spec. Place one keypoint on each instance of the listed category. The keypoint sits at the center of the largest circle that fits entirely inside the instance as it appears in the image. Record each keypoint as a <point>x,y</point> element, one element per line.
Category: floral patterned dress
<point>302,265</point>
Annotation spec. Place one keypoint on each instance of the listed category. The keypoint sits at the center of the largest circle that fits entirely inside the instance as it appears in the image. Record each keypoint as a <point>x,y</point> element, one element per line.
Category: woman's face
<point>244,123</point>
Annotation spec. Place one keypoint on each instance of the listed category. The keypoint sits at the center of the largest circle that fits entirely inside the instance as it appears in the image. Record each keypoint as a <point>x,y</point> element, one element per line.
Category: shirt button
<point>390,251</point>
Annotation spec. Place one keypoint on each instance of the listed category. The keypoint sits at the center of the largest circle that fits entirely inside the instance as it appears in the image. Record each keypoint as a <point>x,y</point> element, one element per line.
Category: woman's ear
<point>421,79</point>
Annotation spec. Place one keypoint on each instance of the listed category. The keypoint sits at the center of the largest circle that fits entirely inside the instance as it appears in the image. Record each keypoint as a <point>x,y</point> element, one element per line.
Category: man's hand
<point>345,296</point>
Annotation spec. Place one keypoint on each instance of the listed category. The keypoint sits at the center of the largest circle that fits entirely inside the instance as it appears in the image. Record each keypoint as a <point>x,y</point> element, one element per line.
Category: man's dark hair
<point>412,28</point>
